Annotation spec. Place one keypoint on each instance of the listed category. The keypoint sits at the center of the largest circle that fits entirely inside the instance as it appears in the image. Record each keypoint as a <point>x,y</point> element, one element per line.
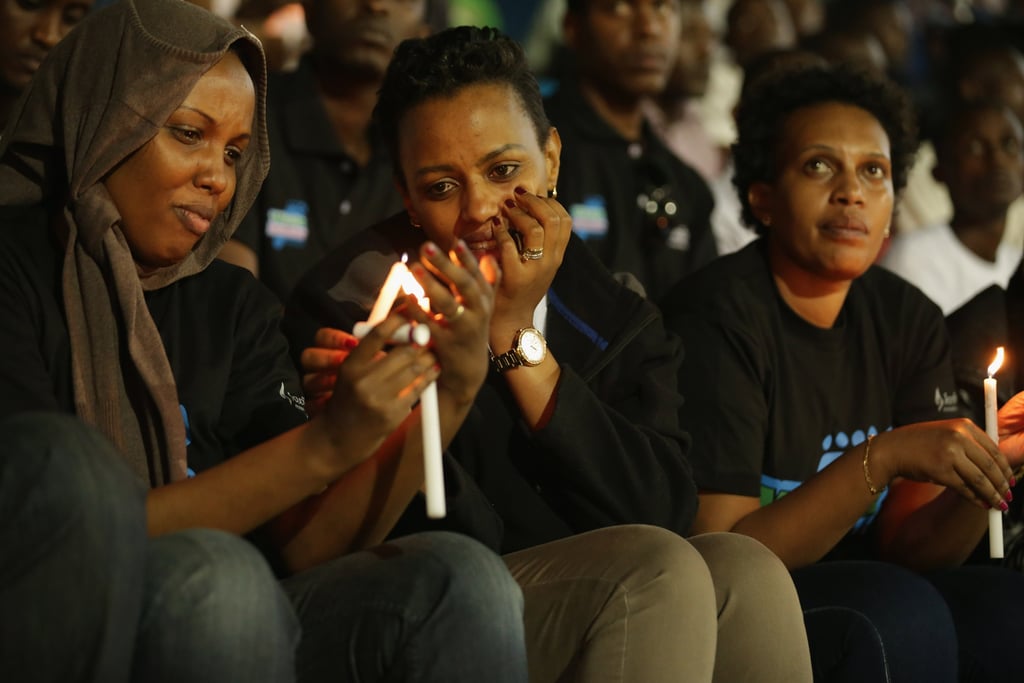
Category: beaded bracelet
<point>867,473</point>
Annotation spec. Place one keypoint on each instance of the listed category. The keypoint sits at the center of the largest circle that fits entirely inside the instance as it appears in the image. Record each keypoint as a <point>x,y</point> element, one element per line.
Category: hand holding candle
<point>400,278</point>
<point>995,518</point>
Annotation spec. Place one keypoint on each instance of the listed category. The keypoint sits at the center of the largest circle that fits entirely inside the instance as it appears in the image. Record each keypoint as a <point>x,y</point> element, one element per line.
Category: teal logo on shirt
<point>288,226</point>
<point>590,219</point>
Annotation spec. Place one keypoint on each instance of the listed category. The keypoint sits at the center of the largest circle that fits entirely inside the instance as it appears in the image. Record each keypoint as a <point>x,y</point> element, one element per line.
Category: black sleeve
<point>613,452</point>
<point>35,362</point>
<point>264,396</point>
<point>725,408</point>
<point>925,388</point>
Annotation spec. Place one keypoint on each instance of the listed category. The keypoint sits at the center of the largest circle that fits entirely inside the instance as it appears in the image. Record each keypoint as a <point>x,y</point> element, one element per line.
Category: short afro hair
<point>767,105</point>
<point>441,65</point>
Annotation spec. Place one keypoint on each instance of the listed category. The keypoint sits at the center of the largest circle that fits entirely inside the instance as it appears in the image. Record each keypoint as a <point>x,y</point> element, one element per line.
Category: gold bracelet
<point>867,473</point>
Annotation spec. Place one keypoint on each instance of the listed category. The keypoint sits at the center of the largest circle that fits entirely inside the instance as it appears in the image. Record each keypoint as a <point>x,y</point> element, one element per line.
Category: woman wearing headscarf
<point>167,419</point>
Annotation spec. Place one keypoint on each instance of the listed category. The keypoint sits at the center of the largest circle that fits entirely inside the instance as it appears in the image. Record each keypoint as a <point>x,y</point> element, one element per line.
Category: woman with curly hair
<point>820,396</point>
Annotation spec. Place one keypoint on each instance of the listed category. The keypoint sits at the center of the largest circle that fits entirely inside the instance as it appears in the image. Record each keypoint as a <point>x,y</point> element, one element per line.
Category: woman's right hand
<point>954,453</point>
<point>362,392</point>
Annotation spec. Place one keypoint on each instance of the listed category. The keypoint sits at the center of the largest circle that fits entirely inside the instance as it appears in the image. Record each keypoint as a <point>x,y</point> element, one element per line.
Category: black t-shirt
<point>772,399</point>
<point>636,205</point>
<point>316,196</point>
<point>220,329</point>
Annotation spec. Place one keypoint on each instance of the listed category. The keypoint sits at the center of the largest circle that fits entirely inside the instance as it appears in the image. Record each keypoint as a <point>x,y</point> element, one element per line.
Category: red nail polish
<point>520,190</point>
<point>1013,481</point>
<point>430,248</point>
<point>510,203</point>
<point>1003,506</point>
<point>1009,496</point>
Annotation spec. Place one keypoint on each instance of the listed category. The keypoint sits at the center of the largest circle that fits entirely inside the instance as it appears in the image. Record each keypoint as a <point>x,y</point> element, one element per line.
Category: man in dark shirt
<point>636,204</point>
<point>330,176</point>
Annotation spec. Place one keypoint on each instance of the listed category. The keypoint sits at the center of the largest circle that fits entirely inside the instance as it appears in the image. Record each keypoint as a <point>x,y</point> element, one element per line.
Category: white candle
<point>388,294</point>
<point>433,468</point>
<point>995,518</point>
<point>407,333</point>
<point>430,423</point>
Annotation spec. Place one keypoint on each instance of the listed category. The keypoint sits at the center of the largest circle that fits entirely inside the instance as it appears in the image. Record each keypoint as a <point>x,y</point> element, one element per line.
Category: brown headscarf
<point>100,95</point>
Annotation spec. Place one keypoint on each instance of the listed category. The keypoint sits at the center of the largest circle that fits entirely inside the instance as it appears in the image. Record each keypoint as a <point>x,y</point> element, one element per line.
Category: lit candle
<point>995,518</point>
<point>388,293</point>
<point>430,422</point>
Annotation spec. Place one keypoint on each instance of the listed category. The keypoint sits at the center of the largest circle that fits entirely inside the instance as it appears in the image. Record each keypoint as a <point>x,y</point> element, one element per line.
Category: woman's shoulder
<point>731,283</point>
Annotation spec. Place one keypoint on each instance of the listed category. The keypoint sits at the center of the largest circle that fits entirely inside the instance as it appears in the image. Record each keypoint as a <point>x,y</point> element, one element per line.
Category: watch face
<point>532,347</point>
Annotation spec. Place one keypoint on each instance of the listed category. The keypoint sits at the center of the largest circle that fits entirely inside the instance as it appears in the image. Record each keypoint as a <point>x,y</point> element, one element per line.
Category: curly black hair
<point>441,65</point>
<point>767,105</point>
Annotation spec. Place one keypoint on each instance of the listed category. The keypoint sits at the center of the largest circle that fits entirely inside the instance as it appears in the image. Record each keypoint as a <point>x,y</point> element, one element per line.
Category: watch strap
<point>506,361</point>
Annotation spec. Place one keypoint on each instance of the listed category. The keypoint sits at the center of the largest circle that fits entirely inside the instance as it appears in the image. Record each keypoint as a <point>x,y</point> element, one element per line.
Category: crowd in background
<point>714,287</point>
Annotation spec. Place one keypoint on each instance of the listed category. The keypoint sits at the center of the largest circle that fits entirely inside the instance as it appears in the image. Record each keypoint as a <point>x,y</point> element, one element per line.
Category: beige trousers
<point>639,604</point>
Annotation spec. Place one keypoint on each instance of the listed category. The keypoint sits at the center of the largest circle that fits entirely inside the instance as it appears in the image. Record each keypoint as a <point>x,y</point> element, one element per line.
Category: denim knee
<point>213,610</point>
<point>61,478</point>
<point>477,583</point>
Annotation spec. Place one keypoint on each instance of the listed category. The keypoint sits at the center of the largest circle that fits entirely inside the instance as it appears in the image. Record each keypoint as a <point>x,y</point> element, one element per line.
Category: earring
<point>887,231</point>
<point>553,193</point>
<point>414,223</point>
<point>767,220</point>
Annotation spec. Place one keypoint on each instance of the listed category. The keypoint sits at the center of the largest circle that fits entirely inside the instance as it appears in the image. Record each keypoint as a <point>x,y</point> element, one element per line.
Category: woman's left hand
<point>461,291</point>
<point>544,227</point>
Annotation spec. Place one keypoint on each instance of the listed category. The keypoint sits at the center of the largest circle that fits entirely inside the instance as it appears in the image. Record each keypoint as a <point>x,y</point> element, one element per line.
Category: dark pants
<point>874,621</point>
<point>86,596</point>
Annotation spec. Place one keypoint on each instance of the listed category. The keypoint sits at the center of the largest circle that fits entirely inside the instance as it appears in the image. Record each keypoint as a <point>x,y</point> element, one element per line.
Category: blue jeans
<point>874,621</point>
<point>87,597</point>
<point>434,606</point>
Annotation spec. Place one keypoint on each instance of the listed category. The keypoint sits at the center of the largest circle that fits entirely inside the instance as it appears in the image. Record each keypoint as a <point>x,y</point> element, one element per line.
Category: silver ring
<point>532,254</point>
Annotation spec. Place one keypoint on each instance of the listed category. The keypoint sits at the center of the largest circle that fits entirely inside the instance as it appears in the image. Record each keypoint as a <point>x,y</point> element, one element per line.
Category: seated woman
<point>823,407</point>
<point>575,428</point>
<point>139,146</point>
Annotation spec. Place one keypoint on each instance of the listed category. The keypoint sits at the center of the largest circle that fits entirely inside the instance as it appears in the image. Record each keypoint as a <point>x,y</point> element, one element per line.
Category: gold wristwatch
<point>529,348</point>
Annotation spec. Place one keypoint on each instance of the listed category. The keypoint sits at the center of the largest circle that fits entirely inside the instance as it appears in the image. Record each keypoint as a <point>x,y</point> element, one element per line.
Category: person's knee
<point>474,577</point>
<point>649,559</point>
<point>63,482</point>
<point>742,567</point>
<point>215,582</point>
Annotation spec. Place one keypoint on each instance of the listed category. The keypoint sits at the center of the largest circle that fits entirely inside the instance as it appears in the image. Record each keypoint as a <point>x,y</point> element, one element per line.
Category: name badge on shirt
<point>590,219</point>
<point>288,226</point>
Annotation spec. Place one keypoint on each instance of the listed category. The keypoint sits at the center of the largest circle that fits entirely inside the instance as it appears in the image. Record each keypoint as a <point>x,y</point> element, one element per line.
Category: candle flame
<point>997,363</point>
<point>412,286</point>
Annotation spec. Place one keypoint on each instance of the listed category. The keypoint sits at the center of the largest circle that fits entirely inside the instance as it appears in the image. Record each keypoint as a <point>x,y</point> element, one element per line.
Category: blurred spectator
<point>676,113</point>
<point>28,30</point>
<point>639,207</point>
<point>331,175</point>
<point>980,155</point>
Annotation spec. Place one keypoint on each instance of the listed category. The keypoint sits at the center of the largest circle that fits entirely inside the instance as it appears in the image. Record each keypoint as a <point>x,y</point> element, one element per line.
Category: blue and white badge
<point>288,226</point>
<point>590,219</point>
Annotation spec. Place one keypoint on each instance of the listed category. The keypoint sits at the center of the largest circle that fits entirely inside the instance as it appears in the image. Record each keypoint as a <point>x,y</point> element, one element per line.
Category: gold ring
<point>532,254</point>
<point>457,314</point>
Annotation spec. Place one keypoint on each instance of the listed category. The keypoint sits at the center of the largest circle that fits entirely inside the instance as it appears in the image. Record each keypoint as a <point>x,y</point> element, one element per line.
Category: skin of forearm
<point>249,489</point>
<point>805,524</point>
<point>359,510</point>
